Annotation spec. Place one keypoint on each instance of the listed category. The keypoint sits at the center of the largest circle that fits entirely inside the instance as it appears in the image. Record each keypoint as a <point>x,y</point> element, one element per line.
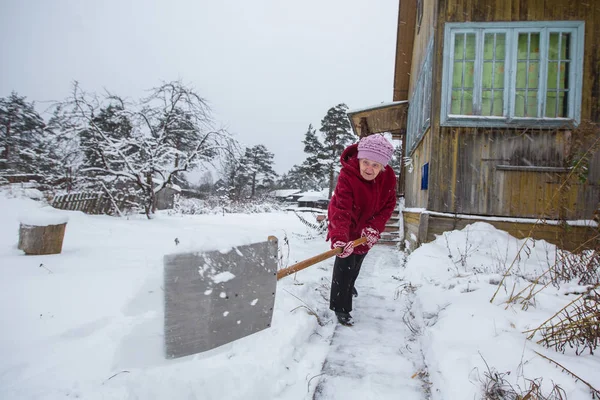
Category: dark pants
<point>345,272</point>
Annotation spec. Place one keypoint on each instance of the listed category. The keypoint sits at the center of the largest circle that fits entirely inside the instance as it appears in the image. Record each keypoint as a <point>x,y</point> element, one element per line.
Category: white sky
<point>269,68</point>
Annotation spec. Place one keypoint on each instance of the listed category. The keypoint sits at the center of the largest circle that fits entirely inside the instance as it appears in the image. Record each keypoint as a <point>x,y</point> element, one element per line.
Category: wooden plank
<point>468,10</point>
<point>454,170</point>
<point>478,10</point>
<point>466,182</point>
<point>450,8</point>
<point>541,197</point>
<point>536,10</point>
<point>404,49</point>
<point>61,202</point>
<point>523,11</point>
<point>570,240</point>
<point>591,79</point>
<point>515,10</point>
<point>488,10</point>
<point>411,218</point>
<point>503,10</point>
<point>524,208</point>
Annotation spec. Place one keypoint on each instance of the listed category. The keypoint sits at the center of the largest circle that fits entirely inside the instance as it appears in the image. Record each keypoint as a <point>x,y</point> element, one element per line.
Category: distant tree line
<point>116,145</point>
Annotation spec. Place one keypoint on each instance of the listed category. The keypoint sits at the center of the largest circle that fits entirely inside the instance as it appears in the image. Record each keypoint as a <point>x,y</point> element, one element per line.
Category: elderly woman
<point>363,201</point>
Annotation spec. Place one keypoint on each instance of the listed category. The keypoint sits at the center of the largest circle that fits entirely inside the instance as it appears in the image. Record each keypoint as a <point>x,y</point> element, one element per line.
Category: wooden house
<point>498,106</point>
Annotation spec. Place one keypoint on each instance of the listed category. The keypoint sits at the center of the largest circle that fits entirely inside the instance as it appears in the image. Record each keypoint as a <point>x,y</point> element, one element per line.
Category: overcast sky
<point>269,68</point>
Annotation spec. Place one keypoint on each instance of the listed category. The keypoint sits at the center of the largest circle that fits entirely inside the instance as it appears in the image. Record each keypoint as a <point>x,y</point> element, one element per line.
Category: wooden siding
<point>404,48</point>
<point>414,195</point>
<point>422,36</point>
<point>478,179</point>
<point>411,228</point>
<point>425,227</point>
<point>463,165</point>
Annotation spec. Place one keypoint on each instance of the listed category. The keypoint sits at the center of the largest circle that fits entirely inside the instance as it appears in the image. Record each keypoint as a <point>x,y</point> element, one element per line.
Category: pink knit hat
<point>375,148</point>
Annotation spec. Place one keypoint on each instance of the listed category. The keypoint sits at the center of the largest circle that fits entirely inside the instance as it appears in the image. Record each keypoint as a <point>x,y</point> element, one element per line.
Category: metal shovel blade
<point>214,298</point>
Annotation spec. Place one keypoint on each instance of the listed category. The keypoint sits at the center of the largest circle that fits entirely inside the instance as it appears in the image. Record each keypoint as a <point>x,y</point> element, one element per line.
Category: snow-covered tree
<point>258,162</point>
<point>337,135</point>
<point>112,119</point>
<point>148,155</point>
<point>314,167</point>
<point>301,177</point>
<point>22,135</point>
<point>249,174</point>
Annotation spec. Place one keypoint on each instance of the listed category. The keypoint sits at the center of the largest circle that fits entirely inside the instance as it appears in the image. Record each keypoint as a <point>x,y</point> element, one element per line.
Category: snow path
<point>377,357</point>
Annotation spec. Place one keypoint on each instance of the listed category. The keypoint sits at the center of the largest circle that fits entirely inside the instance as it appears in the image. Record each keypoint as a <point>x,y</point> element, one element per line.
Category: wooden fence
<point>92,203</point>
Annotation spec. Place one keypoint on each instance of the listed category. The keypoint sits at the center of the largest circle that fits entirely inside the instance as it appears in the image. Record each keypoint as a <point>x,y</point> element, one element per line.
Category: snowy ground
<point>88,323</point>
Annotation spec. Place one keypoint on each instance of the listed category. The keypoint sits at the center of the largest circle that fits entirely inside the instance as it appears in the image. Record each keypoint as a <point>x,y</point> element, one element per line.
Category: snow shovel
<point>215,298</point>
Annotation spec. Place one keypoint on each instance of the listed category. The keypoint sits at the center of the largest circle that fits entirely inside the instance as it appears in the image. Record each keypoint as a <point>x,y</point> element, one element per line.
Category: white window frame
<point>511,31</point>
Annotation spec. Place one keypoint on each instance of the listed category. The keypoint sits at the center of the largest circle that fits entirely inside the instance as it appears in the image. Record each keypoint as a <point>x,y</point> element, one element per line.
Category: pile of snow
<point>88,323</point>
<point>463,335</point>
<point>43,217</point>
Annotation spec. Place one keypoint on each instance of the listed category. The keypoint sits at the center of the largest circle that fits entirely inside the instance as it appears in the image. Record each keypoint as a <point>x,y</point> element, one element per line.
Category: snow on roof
<point>314,195</point>
<point>375,107</point>
<point>312,198</point>
<point>284,192</point>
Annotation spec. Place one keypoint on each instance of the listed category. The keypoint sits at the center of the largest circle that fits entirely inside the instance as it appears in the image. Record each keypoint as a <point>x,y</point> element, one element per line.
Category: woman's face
<point>369,169</point>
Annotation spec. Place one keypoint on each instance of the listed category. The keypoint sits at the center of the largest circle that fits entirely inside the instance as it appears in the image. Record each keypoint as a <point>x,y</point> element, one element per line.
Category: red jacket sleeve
<point>340,210</point>
<point>388,205</point>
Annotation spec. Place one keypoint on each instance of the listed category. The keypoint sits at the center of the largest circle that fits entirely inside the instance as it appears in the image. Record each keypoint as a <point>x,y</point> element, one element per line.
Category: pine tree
<point>301,177</point>
<point>314,166</point>
<point>22,132</point>
<point>259,163</point>
<point>337,133</point>
<point>113,122</point>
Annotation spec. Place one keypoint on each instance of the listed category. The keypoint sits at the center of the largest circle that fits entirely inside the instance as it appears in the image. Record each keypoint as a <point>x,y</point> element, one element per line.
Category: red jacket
<point>358,203</point>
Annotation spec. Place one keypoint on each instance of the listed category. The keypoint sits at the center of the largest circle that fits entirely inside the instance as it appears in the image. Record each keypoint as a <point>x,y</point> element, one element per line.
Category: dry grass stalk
<point>320,227</point>
<point>593,391</point>
<point>496,387</point>
<point>578,325</point>
<point>309,310</point>
<point>583,266</point>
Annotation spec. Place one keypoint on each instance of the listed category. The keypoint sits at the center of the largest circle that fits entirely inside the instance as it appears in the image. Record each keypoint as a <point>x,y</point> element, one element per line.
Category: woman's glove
<point>347,248</point>
<point>372,236</point>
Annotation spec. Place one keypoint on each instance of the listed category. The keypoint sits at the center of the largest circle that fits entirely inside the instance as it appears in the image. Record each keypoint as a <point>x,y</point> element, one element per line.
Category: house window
<point>425,176</point>
<point>512,74</point>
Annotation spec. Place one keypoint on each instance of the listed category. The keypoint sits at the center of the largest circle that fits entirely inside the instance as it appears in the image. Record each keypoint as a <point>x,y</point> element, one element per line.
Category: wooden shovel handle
<point>313,260</point>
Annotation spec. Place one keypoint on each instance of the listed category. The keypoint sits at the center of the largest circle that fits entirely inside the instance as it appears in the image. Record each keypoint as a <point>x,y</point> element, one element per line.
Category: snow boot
<point>344,318</point>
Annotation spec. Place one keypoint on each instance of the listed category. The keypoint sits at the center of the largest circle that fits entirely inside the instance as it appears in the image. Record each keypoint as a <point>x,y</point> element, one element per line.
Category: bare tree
<point>172,131</point>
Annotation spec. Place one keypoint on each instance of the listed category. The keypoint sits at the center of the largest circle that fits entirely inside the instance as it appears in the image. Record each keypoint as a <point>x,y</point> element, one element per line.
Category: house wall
<point>404,48</point>
<point>466,172</point>
<point>415,197</point>
<point>489,174</point>
<point>423,33</point>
